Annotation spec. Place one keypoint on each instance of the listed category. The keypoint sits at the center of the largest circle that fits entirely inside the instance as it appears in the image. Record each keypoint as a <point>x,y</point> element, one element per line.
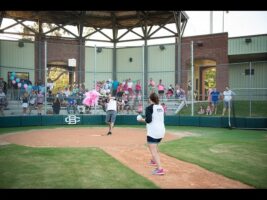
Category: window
<point>21,75</point>
<point>247,72</point>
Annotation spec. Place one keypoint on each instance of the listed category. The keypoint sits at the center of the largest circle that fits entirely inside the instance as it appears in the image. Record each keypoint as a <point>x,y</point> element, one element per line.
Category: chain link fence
<point>68,70</point>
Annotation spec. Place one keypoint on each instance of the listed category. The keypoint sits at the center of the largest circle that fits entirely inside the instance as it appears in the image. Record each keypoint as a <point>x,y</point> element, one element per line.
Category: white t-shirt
<point>155,128</point>
<point>2,97</point>
<point>130,84</point>
<point>67,93</point>
<point>112,105</point>
<point>227,95</point>
<point>50,85</point>
<point>2,94</point>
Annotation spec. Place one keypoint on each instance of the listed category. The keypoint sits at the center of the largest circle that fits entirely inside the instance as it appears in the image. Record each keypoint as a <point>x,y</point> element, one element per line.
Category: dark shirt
<point>56,105</point>
<point>215,95</point>
<point>24,99</point>
<point>149,112</point>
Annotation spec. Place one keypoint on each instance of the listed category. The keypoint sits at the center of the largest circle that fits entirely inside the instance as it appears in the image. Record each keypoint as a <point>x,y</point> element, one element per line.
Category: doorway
<point>204,77</point>
<point>207,80</point>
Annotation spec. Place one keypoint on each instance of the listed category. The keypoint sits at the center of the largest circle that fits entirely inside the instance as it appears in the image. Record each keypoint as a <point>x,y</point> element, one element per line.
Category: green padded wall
<point>13,121</point>
<point>52,120</point>
<point>210,121</point>
<point>207,121</point>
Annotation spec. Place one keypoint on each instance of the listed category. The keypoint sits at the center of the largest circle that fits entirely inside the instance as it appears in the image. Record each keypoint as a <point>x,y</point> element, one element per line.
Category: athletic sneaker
<point>158,172</point>
<point>152,163</point>
<point>109,133</point>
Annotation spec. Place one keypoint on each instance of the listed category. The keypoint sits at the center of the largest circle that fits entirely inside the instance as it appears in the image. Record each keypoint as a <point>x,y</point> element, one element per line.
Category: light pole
<point>223,21</point>
<point>211,22</point>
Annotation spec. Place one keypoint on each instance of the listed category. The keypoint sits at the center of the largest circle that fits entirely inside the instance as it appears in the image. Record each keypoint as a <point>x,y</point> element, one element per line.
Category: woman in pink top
<point>138,88</point>
<point>151,86</point>
<point>125,87</point>
<point>164,108</point>
<point>140,108</point>
<point>161,89</point>
<point>120,90</point>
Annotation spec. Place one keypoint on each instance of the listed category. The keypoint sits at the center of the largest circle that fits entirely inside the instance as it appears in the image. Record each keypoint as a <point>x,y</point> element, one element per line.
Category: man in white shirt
<point>227,97</point>
<point>111,108</point>
<point>50,84</point>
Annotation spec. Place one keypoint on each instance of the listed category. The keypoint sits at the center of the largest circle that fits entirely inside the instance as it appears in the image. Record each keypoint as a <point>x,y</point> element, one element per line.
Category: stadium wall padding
<point>48,120</point>
<point>205,121</point>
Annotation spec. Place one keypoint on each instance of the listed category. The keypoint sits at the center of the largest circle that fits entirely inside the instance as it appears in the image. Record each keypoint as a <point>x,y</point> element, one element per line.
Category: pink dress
<point>140,108</point>
<point>165,108</point>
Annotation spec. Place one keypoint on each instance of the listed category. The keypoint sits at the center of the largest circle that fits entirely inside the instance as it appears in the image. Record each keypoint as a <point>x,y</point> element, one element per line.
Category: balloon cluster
<point>16,80</point>
<point>91,98</point>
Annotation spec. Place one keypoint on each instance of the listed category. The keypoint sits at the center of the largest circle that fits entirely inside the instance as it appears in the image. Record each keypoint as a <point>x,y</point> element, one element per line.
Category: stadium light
<point>162,47</point>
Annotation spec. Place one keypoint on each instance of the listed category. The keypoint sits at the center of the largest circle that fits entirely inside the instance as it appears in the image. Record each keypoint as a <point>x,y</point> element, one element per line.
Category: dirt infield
<point>128,146</point>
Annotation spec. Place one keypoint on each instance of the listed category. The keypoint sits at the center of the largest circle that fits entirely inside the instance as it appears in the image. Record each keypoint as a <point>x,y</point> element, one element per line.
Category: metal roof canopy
<point>100,20</point>
<point>150,23</point>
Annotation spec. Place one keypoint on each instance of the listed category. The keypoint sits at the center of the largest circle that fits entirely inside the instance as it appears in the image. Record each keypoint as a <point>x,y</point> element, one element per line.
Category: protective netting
<point>67,70</point>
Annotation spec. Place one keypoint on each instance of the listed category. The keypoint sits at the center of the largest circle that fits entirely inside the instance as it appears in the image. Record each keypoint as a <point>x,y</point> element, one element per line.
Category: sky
<point>236,23</point>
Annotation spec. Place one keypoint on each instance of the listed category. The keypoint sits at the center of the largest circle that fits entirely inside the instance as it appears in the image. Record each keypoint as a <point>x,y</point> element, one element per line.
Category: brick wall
<point>59,50</point>
<point>215,47</point>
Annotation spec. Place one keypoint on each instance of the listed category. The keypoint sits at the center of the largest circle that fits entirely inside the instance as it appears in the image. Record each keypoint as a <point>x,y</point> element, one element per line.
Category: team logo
<point>72,119</point>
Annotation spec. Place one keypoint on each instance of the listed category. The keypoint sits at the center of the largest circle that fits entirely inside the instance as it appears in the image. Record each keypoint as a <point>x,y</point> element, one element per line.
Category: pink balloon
<point>13,81</point>
<point>25,86</point>
<point>91,98</point>
<point>19,85</point>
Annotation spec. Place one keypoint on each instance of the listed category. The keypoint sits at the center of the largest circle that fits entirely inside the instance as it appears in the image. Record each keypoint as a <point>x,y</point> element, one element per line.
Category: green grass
<point>26,128</point>
<point>26,167</point>
<point>237,154</point>
<point>258,109</point>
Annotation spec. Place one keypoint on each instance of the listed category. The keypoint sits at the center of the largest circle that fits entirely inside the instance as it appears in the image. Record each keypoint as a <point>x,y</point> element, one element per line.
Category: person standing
<point>138,88</point>
<point>161,89</point>
<point>209,96</point>
<point>115,85</point>
<point>111,109</point>
<point>170,92</point>
<point>3,102</point>
<point>40,102</point>
<point>227,97</point>
<point>32,101</point>
<point>3,85</point>
<point>130,86</point>
<point>214,100</point>
<point>25,102</point>
<point>164,106</point>
<point>151,86</point>
<point>56,106</point>
<point>154,119</point>
<point>180,95</point>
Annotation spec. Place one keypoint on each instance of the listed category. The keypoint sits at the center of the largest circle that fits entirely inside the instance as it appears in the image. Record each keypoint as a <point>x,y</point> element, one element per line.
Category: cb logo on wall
<point>72,119</point>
